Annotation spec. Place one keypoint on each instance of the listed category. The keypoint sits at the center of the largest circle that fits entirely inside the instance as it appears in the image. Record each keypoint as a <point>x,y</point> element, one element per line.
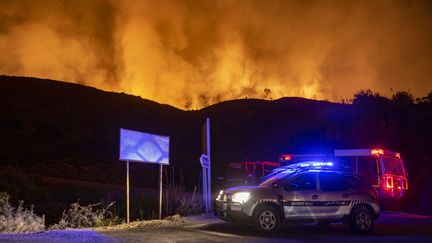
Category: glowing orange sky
<point>194,53</point>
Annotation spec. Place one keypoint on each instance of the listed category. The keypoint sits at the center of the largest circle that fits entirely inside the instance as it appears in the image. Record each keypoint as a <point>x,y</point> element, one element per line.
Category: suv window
<point>353,181</point>
<point>302,183</point>
<point>330,182</point>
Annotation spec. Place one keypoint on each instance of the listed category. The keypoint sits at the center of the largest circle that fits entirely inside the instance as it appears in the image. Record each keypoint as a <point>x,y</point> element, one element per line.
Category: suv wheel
<point>266,219</point>
<point>361,220</point>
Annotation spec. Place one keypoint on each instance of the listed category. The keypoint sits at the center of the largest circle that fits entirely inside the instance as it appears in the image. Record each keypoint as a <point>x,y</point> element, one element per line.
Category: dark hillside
<point>48,124</point>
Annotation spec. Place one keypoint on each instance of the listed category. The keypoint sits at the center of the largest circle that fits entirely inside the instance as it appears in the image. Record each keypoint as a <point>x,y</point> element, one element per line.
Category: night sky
<point>190,54</point>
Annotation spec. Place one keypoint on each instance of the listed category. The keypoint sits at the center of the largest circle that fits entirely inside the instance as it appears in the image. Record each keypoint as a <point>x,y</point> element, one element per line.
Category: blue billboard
<point>143,147</point>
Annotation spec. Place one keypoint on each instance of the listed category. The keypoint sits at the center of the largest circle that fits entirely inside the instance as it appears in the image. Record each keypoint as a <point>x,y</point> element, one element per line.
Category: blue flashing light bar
<point>310,164</point>
<point>314,164</point>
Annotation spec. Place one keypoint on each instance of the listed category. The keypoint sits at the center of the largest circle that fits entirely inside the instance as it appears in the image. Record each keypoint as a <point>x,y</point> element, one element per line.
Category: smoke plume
<point>194,53</point>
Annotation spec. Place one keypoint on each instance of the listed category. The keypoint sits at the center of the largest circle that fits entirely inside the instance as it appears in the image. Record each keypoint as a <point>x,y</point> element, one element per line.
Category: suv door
<point>299,195</point>
<point>335,195</point>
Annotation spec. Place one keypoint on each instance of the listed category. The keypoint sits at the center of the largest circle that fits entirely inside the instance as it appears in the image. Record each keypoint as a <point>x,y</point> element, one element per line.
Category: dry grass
<point>192,206</point>
<point>168,221</point>
<point>18,219</point>
<point>92,215</point>
<point>177,200</point>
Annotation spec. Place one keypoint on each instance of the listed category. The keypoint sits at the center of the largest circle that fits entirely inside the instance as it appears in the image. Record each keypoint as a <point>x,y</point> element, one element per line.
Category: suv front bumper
<point>230,211</point>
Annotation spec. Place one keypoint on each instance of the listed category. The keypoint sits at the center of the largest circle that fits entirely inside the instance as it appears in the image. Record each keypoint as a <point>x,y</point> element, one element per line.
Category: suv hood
<point>243,189</point>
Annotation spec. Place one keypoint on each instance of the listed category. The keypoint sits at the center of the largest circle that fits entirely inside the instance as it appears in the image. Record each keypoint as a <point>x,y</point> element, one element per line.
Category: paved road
<point>392,227</point>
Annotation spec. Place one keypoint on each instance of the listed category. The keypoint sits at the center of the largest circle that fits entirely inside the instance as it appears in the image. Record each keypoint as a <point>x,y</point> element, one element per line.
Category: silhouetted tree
<point>371,105</point>
<point>367,97</point>
<point>403,98</point>
<point>267,93</point>
<point>429,97</point>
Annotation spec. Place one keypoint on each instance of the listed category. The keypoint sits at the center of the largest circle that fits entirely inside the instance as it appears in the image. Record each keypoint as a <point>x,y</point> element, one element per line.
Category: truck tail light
<point>389,182</point>
<point>405,184</point>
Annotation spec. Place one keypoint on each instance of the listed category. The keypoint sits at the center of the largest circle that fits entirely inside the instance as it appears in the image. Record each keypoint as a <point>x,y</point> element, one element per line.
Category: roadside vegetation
<point>177,199</point>
<point>18,219</point>
<point>24,220</point>
<point>92,215</point>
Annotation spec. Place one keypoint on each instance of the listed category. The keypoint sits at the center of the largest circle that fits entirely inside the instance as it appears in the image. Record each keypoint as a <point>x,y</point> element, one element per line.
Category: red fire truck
<point>382,169</point>
<point>243,173</point>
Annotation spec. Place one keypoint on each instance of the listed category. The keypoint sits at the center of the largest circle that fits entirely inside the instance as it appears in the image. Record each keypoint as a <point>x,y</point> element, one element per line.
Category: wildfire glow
<point>195,53</point>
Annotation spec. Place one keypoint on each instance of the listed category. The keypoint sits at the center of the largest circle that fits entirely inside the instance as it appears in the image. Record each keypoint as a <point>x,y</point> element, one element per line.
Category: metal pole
<point>127,191</point>
<point>208,191</point>
<point>209,198</point>
<point>160,191</point>
<point>204,188</point>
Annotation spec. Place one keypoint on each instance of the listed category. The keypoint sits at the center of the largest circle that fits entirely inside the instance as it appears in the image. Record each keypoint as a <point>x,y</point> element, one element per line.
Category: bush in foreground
<point>191,206</point>
<point>19,219</point>
<point>92,215</point>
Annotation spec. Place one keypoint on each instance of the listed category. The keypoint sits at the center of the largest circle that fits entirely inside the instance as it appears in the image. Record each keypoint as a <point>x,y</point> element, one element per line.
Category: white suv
<point>304,195</point>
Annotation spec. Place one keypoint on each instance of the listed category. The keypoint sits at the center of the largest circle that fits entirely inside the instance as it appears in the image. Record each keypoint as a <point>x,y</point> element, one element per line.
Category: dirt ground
<point>391,227</point>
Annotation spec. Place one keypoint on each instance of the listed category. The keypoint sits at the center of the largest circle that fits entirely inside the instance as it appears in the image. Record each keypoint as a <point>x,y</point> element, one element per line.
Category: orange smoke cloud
<point>194,53</point>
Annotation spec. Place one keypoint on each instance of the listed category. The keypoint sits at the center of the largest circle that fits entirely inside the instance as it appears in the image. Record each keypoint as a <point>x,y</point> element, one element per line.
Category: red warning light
<point>377,152</point>
<point>389,182</point>
<point>287,157</point>
<point>404,184</point>
<point>398,155</point>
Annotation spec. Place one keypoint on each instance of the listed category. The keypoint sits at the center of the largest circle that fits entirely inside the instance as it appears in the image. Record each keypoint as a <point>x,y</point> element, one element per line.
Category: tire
<point>361,220</point>
<point>266,219</point>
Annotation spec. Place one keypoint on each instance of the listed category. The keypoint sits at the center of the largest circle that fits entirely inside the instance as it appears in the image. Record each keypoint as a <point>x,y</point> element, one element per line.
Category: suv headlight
<point>219,196</point>
<point>240,197</point>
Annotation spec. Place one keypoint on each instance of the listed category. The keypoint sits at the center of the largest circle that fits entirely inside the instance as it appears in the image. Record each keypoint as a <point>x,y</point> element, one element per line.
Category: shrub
<point>189,207</point>
<point>20,219</point>
<point>92,215</point>
<point>178,201</point>
<point>4,198</point>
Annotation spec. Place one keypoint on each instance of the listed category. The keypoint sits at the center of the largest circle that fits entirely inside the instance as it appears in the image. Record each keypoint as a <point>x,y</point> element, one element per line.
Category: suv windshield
<point>271,178</point>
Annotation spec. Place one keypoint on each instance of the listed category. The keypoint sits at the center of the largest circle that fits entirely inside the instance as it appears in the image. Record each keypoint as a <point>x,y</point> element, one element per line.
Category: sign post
<point>206,167</point>
<point>127,191</point>
<point>144,148</point>
<point>204,159</point>
<point>160,190</point>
